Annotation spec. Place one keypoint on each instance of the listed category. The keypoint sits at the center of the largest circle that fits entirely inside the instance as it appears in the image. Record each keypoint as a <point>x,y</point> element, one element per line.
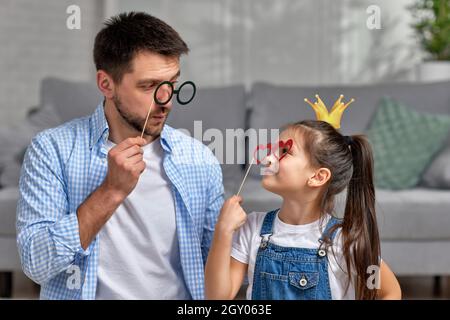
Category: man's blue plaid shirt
<point>64,165</point>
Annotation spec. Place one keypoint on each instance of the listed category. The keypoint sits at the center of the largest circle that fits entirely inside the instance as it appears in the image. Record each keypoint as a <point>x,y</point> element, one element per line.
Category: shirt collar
<point>167,138</point>
<point>99,125</point>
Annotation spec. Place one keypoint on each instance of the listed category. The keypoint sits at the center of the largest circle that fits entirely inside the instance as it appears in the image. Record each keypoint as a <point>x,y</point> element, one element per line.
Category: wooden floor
<point>412,288</point>
<point>425,288</point>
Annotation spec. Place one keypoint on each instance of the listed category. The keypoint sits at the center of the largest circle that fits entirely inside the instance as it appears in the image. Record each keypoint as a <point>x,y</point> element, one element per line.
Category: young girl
<point>301,251</point>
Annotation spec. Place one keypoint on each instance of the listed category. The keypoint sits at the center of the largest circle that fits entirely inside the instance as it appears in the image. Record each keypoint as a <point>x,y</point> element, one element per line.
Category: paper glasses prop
<point>279,150</point>
<point>164,93</point>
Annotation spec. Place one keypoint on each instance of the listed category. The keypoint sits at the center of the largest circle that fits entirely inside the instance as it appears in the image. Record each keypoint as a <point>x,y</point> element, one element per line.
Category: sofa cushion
<point>214,113</point>
<point>13,141</point>
<point>60,101</point>
<point>64,100</point>
<point>417,213</point>
<point>412,214</point>
<point>404,142</point>
<point>437,175</point>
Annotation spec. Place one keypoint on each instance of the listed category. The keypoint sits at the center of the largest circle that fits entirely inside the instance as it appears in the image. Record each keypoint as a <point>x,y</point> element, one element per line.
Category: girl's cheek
<point>292,171</point>
<point>285,164</point>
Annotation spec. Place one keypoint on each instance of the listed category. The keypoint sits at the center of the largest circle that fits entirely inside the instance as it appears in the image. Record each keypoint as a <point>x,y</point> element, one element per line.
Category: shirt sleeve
<point>47,232</point>
<point>215,203</point>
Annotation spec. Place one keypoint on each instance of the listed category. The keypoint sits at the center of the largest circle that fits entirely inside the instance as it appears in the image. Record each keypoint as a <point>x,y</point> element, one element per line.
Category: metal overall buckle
<point>265,240</point>
<point>322,252</point>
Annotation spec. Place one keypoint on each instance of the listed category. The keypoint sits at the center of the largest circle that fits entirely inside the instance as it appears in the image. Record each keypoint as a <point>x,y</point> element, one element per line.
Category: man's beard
<point>137,123</point>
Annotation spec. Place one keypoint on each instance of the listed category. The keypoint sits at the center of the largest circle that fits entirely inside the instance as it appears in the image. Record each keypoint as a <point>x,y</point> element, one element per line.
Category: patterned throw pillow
<point>404,142</point>
<point>437,175</point>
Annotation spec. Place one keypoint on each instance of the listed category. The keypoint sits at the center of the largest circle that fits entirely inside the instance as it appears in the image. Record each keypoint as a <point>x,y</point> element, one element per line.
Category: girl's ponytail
<point>359,228</point>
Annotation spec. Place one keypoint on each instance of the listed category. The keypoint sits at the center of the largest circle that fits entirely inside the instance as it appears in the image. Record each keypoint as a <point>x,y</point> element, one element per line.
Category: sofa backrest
<point>273,106</point>
<point>219,108</point>
<point>69,99</point>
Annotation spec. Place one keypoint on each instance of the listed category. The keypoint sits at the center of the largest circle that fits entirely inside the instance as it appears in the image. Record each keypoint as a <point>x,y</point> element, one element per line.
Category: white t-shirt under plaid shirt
<point>139,254</point>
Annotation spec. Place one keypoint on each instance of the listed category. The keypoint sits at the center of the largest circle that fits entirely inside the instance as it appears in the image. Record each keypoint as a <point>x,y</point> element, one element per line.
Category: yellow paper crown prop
<point>333,117</point>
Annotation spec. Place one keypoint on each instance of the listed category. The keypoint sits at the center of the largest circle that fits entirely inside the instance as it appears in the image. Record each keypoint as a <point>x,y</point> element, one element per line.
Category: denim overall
<point>284,273</point>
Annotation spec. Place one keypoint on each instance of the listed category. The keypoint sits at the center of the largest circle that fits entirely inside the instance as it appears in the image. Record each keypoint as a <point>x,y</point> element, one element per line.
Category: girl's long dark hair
<point>351,167</point>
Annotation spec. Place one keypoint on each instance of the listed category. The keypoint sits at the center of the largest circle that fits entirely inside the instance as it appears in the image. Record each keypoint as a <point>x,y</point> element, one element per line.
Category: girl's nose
<point>270,165</point>
<point>269,160</point>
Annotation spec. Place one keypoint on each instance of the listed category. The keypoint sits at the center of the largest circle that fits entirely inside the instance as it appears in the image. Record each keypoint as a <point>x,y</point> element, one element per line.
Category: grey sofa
<point>414,224</point>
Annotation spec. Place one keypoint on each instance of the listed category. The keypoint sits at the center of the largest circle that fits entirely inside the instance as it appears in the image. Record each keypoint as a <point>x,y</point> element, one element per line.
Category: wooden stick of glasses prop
<point>255,156</point>
<point>146,119</point>
<point>279,150</point>
<point>245,176</point>
<point>167,85</point>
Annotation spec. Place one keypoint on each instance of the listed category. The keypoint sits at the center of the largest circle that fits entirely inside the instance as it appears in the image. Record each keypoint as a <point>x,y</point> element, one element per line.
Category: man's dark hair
<point>127,34</point>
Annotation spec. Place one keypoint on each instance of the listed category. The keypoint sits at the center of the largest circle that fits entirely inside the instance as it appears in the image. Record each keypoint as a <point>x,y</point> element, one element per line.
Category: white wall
<point>294,42</point>
<point>388,54</point>
<point>36,43</point>
<point>289,41</point>
<point>245,41</point>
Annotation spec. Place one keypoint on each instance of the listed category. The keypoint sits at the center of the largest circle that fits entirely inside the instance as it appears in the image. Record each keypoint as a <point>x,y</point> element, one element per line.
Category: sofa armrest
<point>8,204</point>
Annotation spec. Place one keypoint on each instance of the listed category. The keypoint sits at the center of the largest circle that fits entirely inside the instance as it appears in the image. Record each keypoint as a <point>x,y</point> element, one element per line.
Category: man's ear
<point>320,177</point>
<point>105,84</point>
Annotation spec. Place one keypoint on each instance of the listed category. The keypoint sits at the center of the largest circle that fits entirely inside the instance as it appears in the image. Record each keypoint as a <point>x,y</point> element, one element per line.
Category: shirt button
<point>303,282</point>
<point>322,253</point>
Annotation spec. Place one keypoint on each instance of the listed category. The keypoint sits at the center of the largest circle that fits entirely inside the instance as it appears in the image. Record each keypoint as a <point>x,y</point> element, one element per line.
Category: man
<point>135,222</point>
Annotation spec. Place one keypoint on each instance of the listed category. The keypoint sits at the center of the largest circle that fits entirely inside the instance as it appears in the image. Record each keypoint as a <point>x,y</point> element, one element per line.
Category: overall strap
<point>267,226</point>
<point>326,233</point>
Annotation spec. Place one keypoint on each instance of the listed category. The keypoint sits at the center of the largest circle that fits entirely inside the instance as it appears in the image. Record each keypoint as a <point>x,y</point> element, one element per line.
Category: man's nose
<point>162,108</point>
<point>163,94</point>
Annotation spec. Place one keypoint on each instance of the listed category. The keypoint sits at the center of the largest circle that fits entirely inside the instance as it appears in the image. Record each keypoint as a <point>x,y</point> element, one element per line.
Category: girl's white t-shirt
<point>247,240</point>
